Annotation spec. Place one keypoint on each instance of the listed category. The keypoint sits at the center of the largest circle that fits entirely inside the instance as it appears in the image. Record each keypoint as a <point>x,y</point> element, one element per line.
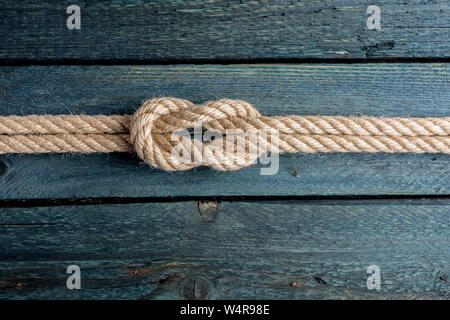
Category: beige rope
<point>150,133</point>
<point>34,124</point>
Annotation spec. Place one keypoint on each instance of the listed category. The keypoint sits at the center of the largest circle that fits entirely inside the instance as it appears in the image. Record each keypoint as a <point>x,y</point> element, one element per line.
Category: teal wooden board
<point>142,233</point>
<point>418,90</point>
<point>123,175</point>
<point>382,89</point>
<point>232,250</point>
<point>227,30</point>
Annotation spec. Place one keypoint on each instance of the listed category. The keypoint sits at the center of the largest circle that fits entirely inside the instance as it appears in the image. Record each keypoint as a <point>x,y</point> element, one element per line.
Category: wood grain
<point>262,250</point>
<point>360,89</point>
<point>226,30</point>
<point>233,249</point>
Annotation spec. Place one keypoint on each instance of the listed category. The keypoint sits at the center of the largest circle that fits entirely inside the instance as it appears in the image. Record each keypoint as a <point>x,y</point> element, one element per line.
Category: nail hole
<point>293,172</point>
<point>319,280</point>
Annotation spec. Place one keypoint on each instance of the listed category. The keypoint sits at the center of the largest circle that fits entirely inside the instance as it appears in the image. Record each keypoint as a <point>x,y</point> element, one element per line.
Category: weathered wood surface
<point>228,30</point>
<point>122,175</point>
<point>362,89</point>
<point>234,250</point>
<point>381,89</point>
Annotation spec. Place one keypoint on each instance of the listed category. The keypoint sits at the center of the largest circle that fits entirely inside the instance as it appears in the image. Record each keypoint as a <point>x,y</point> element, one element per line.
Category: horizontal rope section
<point>149,131</point>
<point>305,125</point>
<point>66,142</point>
<point>90,143</point>
<point>36,124</point>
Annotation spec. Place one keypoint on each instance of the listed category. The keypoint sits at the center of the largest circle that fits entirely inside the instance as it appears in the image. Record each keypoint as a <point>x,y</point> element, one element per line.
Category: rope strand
<point>36,124</point>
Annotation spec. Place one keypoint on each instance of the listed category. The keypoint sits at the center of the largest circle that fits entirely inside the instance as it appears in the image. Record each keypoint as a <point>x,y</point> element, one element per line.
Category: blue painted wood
<point>230,250</point>
<point>123,175</point>
<point>233,250</point>
<point>192,29</point>
<point>382,89</point>
<point>362,89</point>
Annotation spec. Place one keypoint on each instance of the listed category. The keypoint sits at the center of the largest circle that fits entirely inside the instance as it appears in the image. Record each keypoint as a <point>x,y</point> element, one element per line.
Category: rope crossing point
<point>149,132</point>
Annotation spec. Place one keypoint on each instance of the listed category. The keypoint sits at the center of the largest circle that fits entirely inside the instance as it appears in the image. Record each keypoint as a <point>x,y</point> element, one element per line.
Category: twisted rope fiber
<point>148,132</point>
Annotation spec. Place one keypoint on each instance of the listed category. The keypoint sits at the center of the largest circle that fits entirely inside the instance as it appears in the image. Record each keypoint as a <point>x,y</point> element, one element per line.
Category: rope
<point>150,132</point>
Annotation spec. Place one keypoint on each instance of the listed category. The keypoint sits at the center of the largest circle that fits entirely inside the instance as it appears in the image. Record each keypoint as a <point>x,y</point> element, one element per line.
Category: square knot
<point>159,132</point>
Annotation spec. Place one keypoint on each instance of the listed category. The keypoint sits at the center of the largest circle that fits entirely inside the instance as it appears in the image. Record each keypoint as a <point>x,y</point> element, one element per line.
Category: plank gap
<point>115,62</point>
<point>325,199</point>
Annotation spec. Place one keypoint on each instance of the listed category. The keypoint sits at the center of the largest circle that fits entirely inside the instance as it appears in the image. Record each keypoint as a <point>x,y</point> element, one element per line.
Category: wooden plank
<point>122,175</point>
<point>361,89</point>
<point>382,89</point>
<point>231,250</point>
<point>228,30</point>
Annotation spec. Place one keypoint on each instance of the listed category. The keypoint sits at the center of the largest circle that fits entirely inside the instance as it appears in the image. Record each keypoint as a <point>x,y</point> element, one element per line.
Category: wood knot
<point>208,210</point>
<point>196,288</point>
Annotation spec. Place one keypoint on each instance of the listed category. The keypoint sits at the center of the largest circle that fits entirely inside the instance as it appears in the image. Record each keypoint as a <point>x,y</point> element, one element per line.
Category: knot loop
<point>161,133</point>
